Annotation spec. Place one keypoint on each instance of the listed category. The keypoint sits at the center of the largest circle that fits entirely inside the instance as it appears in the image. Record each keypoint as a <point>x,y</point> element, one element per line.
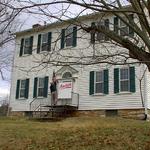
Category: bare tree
<point>8,26</point>
<point>131,28</point>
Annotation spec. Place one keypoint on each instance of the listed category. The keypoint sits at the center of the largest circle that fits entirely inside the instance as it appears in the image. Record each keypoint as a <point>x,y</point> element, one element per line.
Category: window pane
<point>99,76</point>
<point>41,82</point>
<point>99,88</point>
<point>69,36</point>
<point>44,47</point>
<point>22,93</point>
<point>69,42</point>
<point>23,83</point>
<point>124,74</point>
<point>124,85</point>
<point>27,46</point>
<point>44,38</point>
<point>40,91</point>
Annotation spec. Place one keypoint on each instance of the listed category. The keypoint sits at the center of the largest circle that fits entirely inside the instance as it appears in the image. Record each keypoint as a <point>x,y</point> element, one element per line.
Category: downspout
<point>145,94</point>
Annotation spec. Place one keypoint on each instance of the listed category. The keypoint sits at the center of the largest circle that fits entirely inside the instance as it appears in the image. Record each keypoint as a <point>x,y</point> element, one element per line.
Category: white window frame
<point>121,80</point>
<point>69,36</point>
<point>38,87</point>
<point>26,46</point>
<point>20,88</point>
<point>95,82</point>
<point>46,42</point>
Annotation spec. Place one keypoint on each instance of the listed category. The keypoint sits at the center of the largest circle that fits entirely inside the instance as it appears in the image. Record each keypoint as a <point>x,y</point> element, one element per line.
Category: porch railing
<point>37,103</point>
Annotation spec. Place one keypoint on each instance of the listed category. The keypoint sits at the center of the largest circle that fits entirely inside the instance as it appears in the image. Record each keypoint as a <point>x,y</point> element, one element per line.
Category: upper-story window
<point>69,37</point>
<point>26,46</point>
<point>121,27</point>
<point>99,36</point>
<point>44,42</point>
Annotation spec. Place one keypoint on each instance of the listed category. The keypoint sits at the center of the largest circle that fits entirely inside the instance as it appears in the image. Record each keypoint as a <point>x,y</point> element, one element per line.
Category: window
<point>40,88</point>
<point>26,46</point>
<point>124,80</point>
<point>101,36</point>
<point>67,75</point>
<point>99,82</point>
<point>69,37</point>
<point>121,28</point>
<point>44,42</point>
<point>22,88</point>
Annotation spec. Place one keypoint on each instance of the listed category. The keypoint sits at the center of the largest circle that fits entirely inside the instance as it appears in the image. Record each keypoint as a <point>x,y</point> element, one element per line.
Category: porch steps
<point>54,112</point>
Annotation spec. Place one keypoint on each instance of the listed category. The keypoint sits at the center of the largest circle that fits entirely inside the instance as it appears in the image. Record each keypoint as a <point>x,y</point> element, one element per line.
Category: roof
<point>69,21</point>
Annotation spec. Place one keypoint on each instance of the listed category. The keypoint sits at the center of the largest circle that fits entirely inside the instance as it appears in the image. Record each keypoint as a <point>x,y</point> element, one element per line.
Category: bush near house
<point>81,133</point>
<point>3,110</point>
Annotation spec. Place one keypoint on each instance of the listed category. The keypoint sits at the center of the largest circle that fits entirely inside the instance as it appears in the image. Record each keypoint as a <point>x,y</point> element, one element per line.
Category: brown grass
<point>82,133</point>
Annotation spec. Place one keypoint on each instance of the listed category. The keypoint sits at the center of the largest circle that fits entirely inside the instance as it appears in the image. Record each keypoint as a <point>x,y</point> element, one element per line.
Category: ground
<point>78,133</point>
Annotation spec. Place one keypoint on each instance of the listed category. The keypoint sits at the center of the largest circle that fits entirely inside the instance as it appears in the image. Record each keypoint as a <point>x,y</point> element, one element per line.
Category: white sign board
<point>64,90</point>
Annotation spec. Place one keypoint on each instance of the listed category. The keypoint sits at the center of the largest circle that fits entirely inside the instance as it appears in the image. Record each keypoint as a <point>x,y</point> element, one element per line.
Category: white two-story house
<point>95,87</point>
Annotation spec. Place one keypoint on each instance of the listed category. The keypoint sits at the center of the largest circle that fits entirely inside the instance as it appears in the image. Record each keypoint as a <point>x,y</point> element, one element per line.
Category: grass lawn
<point>83,133</point>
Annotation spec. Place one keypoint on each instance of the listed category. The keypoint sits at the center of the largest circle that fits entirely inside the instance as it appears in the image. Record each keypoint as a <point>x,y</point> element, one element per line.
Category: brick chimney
<point>36,25</point>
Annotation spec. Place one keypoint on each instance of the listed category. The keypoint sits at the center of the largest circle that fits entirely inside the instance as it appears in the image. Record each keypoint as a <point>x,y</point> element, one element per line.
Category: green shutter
<point>17,89</point>
<point>35,88</point>
<point>91,82</point>
<point>93,33</point>
<point>49,41</point>
<point>116,80</point>
<point>62,38</point>
<point>21,47</point>
<point>116,20</point>
<point>27,88</point>
<point>132,79</point>
<point>45,86</point>
<point>31,45</point>
<point>39,43</point>
<point>106,82</point>
<point>131,32</point>
<point>107,26</point>
<point>74,42</point>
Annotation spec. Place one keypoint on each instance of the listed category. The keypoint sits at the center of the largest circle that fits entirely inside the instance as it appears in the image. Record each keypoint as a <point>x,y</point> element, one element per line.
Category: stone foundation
<point>17,113</point>
<point>124,113</point>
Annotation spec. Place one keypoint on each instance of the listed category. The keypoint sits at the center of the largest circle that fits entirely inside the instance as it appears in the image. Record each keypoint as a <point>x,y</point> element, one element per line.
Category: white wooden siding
<point>87,102</point>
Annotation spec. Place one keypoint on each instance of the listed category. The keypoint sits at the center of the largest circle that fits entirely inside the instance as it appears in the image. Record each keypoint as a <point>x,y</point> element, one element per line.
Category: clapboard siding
<point>110,101</point>
<point>86,101</point>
